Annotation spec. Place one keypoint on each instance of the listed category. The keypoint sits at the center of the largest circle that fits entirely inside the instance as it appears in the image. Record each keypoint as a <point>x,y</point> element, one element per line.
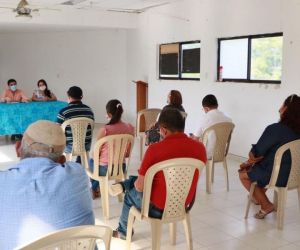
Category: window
<point>256,58</point>
<point>180,61</point>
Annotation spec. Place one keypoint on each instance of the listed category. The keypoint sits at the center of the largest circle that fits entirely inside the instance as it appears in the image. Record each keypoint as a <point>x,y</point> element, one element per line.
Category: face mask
<point>13,88</point>
<point>42,88</point>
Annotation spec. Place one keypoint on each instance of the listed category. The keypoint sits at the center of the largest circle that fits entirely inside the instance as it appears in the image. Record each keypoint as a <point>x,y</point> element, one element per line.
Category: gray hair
<point>27,151</point>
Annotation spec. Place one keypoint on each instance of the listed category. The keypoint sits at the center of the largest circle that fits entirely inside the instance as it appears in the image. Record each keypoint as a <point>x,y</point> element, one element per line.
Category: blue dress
<point>274,136</point>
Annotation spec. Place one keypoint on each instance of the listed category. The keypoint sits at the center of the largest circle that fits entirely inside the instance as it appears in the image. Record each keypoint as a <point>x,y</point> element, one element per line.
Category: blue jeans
<point>133,198</point>
<point>102,172</point>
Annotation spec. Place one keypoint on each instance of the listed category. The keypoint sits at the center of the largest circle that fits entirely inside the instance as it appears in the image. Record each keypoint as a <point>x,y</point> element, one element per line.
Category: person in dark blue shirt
<point>262,154</point>
<point>75,109</point>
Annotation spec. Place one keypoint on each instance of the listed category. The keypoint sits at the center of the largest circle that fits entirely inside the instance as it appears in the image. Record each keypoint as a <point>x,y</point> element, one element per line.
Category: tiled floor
<point>217,219</point>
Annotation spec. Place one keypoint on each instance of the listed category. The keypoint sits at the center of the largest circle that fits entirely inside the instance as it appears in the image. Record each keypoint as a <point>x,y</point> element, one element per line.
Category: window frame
<point>179,62</point>
<point>249,37</point>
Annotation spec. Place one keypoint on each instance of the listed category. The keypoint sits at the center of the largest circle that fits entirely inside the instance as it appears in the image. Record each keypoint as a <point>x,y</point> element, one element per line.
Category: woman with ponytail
<point>114,110</point>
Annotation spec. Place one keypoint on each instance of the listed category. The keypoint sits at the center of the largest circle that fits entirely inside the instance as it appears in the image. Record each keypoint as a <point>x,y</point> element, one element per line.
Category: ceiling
<point>121,5</point>
<point>76,14</point>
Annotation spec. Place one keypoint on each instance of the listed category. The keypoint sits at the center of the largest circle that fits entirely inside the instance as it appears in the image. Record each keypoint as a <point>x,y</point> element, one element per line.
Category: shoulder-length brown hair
<point>175,98</point>
<point>291,116</point>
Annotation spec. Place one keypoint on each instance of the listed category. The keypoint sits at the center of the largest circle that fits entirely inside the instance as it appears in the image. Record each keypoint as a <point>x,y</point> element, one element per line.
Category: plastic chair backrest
<point>294,177</point>
<point>223,133</point>
<point>79,127</point>
<point>79,238</point>
<point>178,173</point>
<point>119,147</point>
<point>150,116</point>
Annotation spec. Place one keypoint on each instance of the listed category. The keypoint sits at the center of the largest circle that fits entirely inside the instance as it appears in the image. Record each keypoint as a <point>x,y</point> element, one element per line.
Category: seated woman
<point>43,94</point>
<point>261,156</point>
<point>115,126</point>
<point>174,101</point>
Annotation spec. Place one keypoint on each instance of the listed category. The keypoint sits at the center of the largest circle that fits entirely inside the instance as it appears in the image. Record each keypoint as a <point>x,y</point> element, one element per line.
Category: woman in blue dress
<point>262,154</point>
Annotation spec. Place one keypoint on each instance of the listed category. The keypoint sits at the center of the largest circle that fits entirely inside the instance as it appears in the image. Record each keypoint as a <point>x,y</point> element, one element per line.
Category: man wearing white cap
<point>42,193</point>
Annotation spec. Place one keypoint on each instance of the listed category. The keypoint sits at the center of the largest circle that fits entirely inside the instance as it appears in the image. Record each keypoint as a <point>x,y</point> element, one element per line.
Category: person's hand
<point>252,159</point>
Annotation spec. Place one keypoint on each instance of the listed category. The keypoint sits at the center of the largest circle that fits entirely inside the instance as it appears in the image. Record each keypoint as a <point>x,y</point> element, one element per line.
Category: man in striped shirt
<point>75,109</point>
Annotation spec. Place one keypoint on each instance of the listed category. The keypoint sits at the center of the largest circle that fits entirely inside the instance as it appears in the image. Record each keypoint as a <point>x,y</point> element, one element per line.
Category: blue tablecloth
<point>15,117</point>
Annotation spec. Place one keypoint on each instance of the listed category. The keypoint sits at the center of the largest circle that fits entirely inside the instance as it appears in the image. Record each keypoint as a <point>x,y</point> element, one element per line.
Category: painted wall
<point>94,60</point>
<point>251,106</point>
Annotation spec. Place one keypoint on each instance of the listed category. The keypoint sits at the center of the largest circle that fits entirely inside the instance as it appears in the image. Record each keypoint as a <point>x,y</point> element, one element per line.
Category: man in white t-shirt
<point>212,116</point>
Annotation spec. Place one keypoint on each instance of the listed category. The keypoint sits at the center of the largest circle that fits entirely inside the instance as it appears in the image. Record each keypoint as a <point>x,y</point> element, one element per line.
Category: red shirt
<point>173,146</point>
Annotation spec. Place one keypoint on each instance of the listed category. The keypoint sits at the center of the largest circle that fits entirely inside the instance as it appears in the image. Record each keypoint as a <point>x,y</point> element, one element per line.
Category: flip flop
<point>261,214</point>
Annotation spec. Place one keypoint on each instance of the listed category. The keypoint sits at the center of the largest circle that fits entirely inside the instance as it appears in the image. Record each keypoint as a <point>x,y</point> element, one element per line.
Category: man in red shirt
<point>174,145</point>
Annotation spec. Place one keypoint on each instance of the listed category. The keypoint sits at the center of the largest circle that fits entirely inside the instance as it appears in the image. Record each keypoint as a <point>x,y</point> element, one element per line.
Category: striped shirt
<point>76,109</point>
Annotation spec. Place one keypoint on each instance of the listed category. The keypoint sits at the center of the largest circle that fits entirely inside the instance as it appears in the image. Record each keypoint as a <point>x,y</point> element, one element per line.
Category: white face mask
<point>13,88</point>
<point>42,88</point>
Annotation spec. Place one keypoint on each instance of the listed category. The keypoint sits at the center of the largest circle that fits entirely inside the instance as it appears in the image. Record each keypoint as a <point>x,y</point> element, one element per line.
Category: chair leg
<point>208,177</point>
<point>299,196</point>
<point>130,222</point>
<point>104,197</point>
<point>188,232</point>
<point>280,208</point>
<point>172,227</point>
<point>275,199</point>
<point>212,172</point>
<point>141,146</point>
<point>249,199</point>
<point>226,173</point>
<point>156,234</point>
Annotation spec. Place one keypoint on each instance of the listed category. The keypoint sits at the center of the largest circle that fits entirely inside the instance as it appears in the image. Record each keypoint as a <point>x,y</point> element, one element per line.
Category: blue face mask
<point>13,88</point>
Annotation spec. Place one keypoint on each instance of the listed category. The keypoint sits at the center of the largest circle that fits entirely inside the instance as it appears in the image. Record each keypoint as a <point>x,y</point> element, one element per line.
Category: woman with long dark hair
<point>114,110</point>
<point>261,156</point>
<point>43,93</point>
<point>175,100</point>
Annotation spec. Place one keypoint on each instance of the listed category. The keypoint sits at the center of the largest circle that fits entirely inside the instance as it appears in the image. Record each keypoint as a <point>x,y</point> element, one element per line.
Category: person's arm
<point>147,162</point>
<point>52,98</point>
<point>34,97</point>
<point>24,98</point>
<point>60,118</point>
<point>101,133</point>
<point>139,183</point>
<point>267,140</point>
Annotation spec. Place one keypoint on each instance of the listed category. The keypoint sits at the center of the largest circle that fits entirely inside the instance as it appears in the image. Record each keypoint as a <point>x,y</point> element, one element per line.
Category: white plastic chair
<point>79,238</point>
<point>222,132</point>
<point>280,193</point>
<point>150,116</point>
<point>119,148</point>
<point>79,127</point>
<point>178,173</point>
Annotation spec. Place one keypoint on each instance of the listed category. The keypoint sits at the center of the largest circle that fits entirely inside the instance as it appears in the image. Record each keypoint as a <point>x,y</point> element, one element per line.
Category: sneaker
<point>117,234</point>
<point>115,189</point>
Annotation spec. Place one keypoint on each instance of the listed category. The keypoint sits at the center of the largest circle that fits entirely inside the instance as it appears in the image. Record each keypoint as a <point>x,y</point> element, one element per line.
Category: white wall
<point>94,60</point>
<point>252,106</point>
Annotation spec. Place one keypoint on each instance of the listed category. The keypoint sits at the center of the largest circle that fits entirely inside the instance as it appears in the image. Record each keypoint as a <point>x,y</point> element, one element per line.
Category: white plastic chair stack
<point>178,173</point>
<point>222,132</point>
<point>280,193</point>
<point>150,117</point>
<point>79,127</point>
<point>119,148</point>
<point>74,238</point>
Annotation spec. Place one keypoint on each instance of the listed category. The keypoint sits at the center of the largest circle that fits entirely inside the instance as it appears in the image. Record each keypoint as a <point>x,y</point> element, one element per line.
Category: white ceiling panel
<point>94,4</point>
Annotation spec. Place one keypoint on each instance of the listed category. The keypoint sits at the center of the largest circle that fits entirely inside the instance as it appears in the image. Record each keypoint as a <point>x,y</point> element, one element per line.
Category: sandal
<point>262,214</point>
